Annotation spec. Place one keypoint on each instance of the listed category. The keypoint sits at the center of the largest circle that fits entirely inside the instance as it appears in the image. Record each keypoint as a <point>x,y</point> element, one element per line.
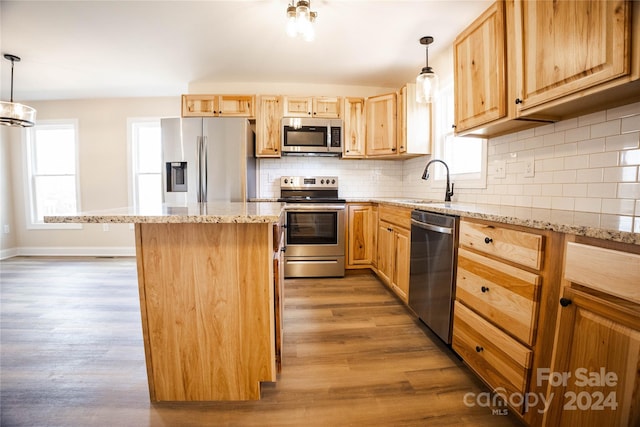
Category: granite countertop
<point>568,222</point>
<point>214,213</point>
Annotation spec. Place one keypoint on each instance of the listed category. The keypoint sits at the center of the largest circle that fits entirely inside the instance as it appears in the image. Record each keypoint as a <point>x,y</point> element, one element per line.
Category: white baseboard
<point>8,253</point>
<point>72,251</point>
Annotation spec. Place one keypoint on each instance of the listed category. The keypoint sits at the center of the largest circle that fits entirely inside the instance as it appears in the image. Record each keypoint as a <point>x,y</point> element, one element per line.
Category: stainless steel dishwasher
<point>434,241</point>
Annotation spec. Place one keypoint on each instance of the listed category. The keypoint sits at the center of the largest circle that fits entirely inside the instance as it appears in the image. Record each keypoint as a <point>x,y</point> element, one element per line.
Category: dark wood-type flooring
<point>72,355</point>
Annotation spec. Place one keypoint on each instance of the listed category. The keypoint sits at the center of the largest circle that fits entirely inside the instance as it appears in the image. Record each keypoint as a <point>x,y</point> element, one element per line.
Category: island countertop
<point>200,213</point>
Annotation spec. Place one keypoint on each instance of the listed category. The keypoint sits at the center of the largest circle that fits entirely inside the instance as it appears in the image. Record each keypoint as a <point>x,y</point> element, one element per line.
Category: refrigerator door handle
<point>203,170</point>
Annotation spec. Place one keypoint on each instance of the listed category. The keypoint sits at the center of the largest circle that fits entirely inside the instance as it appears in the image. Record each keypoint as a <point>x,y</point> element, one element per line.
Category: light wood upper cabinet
<point>525,63</point>
<point>381,135</point>
<point>306,106</point>
<point>268,126</point>
<point>218,105</point>
<point>571,46</point>
<point>480,88</point>
<point>353,128</point>
<point>414,123</point>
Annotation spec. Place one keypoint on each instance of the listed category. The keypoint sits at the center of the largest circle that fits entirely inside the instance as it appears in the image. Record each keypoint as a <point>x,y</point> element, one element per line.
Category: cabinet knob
<point>389,229</point>
<point>484,289</point>
<point>479,349</point>
<point>393,149</point>
<point>488,240</point>
<point>453,126</point>
<point>565,302</point>
<point>518,101</point>
<point>284,249</point>
<point>347,151</point>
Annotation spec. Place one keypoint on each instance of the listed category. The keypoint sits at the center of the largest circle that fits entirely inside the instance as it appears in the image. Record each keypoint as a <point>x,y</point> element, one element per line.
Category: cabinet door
<point>360,239</point>
<point>236,105</point>
<point>381,125</point>
<point>570,46</point>
<point>199,105</point>
<point>326,107</point>
<point>298,106</point>
<point>599,341</point>
<point>402,238</point>
<point>479,70</point>
<point>353,128</point>
<point>385,252</point>
<point>268,127</point>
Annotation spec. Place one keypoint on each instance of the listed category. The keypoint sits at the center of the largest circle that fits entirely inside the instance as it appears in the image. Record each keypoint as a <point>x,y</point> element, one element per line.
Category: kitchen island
<point>207,296</point>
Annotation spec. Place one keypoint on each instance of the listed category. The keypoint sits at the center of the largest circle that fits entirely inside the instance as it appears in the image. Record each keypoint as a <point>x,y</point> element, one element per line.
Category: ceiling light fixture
<point>300,20</point>
<point>427,80</point>
<point>12,113</point>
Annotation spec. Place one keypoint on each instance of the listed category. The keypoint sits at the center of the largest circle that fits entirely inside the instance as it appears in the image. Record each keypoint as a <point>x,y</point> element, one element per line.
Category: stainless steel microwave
<point>309,136</point>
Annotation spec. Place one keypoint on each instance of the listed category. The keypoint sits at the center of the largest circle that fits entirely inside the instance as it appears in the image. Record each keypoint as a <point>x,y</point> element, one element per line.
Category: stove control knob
<point>322,181</point>
<point>333,181</point>
<point>286,181</point>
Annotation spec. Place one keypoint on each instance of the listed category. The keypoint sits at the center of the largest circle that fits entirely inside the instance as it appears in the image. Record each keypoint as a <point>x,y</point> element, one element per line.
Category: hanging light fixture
<point>300,20</point>
<point>12,113</point>
<point>427,80</point>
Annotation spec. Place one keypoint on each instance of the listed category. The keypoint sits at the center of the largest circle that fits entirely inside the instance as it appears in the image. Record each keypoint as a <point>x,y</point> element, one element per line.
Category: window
<point>146,163</point>
<point>52,158</point>
<point>465,156</point>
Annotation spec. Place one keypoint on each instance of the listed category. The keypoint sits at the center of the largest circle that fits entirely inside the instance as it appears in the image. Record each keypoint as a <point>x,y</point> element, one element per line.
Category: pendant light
<point>12,113</point>
<point>300,20</point>
<point>427,80</point>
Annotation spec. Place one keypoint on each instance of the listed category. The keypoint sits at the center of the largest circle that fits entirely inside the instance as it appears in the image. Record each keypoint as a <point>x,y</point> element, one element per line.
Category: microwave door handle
<point>203,170</point>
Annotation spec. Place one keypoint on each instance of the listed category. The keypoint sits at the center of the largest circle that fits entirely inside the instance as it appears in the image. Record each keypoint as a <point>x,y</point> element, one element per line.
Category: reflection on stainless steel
<point>315,225</point>
<point>434,240</point>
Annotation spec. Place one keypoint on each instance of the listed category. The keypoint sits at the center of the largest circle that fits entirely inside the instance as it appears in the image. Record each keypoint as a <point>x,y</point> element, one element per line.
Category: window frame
<point>28,159</point>
<point>132,175</point>
<point>444,134</point>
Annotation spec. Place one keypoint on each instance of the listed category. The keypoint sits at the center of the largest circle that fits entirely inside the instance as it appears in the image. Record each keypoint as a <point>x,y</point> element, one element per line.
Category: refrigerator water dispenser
<point>176,176</point>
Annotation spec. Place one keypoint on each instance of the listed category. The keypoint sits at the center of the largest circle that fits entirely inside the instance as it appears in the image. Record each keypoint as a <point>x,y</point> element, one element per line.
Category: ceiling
<point>96,49</point>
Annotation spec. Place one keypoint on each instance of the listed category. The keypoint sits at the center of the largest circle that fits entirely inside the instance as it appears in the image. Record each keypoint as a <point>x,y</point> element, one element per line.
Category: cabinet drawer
<point>506,295</point>
<point>395,215</point>
<point>607,270</point>
<point>512,245</point>
<point>497,358</point>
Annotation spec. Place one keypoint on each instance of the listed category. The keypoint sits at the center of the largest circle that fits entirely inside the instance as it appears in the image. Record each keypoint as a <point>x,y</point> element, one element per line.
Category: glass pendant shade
<point>300,20</point>
<point>14,114</point>
<point>426,86</point>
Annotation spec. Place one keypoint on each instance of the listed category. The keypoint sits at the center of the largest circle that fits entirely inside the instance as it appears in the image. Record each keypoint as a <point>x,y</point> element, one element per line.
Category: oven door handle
<point>314,207</point>
<point>431,227</point>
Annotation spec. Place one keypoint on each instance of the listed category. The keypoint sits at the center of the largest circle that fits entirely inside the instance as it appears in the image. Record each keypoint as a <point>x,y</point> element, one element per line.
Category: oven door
<point>314,229</point>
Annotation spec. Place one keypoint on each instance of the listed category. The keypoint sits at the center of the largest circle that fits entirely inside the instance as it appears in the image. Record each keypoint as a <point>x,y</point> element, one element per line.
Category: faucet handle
<point>449,193</point>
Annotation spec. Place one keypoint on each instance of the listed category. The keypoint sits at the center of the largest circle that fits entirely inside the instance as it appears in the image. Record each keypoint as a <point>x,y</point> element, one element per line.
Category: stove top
<point>309,189</point>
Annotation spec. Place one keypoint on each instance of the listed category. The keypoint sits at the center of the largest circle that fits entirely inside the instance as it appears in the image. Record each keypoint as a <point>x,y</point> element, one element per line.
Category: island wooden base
<point>207,305</point>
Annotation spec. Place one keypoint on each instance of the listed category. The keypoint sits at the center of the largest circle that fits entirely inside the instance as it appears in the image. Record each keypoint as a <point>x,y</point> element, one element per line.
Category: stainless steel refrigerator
<point>208,159</point>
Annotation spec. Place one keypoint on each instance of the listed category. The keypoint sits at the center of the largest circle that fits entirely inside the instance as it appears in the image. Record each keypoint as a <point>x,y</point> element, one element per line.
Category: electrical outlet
<point>500,168</point>
<point>529,168</point>
<point>105,227</point>
<point>6,229</point>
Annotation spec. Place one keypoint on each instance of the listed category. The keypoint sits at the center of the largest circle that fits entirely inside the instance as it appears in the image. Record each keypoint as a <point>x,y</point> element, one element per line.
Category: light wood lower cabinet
<point>505,310</point>
<point>207,317</point>
<point>394,246</point>
<point>361,229</point>
<point>597,345</point>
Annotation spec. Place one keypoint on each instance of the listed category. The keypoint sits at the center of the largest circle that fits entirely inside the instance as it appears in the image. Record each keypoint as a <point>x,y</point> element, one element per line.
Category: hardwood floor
<point>72,355</point>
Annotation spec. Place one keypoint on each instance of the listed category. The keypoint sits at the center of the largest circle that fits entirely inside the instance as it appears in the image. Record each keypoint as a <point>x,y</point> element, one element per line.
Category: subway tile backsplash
<point>586,166</point>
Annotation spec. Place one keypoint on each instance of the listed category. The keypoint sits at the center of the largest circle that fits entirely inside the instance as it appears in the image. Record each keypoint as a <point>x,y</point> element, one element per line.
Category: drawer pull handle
<point>484,289</point>
<point>488,240</point>
<point>565,302</point>
<point>479,349</point>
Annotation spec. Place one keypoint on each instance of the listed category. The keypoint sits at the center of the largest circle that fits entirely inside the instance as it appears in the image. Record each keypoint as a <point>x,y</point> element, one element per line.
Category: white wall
<point>103,173</point>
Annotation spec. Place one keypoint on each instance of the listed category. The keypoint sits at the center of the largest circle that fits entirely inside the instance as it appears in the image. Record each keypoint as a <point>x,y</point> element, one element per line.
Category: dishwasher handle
<point>431,227</point>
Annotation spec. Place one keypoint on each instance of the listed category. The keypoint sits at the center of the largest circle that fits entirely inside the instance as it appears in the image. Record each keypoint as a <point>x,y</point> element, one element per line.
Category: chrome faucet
<point>449,190</point>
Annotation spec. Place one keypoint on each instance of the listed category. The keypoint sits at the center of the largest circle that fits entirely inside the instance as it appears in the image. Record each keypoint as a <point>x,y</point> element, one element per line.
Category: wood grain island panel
<point>207,303</point>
